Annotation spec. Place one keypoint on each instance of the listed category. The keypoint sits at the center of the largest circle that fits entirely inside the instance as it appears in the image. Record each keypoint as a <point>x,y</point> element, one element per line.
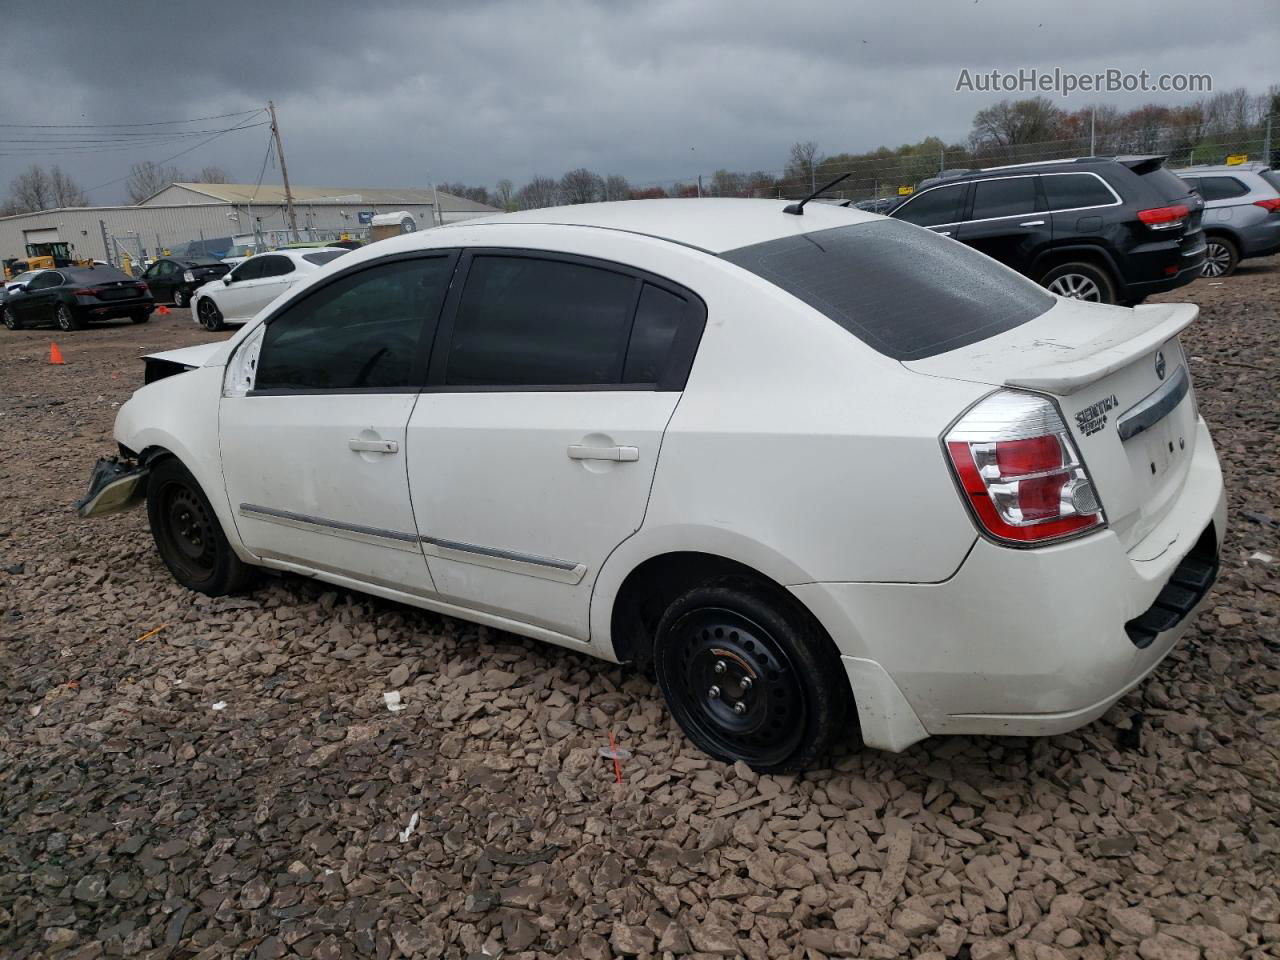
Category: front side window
<point>45,281</point>
<point>1070,191</point>
<point>933,207</point>
<point>359,332</point>
<point>1006,197</point>
<point>251,269</point>
<point>526,321</point>
<point>274,266</point>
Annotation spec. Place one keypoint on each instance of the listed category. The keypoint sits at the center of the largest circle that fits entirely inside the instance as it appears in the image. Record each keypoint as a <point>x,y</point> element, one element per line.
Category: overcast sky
<point>383,94</point>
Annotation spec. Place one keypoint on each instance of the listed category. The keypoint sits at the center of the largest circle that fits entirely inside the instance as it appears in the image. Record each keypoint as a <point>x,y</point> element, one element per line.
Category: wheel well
<point>651,587</point>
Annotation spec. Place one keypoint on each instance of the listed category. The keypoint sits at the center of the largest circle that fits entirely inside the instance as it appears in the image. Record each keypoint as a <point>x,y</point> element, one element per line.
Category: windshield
<point>902,290</point>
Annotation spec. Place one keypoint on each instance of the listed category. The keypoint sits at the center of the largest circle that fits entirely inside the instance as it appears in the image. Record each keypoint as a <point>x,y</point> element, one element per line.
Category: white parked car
<point>238,295</point>
<point>798,463</point>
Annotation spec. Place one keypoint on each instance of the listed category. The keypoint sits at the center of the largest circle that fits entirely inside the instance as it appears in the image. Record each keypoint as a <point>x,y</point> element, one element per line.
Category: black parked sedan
<point>70,297</point>
<point>175,278</point>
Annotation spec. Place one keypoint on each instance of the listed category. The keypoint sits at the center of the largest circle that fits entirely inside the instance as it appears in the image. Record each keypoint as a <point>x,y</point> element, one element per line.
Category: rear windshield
<point>322,256</point>
<point>1166,183</point>
<point>905,291</point>
<point>1271,177</point>
<point>95,274</point>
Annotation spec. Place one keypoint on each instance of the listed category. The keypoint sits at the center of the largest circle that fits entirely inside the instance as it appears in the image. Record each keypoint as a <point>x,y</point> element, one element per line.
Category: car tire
<point>187,533</point>
<point>140,316</point>
<point>11,320</point>
<point>1221,258</point>
<point>209,315</point>
<point>1080,281</point>
<point>179,297</point>
<point>66,319</point>
<point>748,675</point>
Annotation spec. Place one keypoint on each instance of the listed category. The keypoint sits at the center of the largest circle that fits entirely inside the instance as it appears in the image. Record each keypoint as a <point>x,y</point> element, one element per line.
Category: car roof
<point>711,224</point>
<point>1254,167</point>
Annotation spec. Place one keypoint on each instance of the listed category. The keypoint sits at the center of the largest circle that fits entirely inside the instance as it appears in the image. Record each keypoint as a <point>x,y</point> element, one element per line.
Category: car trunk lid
<point>115,290</point>
<point>1120,378</point>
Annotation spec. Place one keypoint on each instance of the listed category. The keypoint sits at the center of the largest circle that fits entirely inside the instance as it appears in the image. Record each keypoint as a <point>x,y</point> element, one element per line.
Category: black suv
<point>1105,229</point>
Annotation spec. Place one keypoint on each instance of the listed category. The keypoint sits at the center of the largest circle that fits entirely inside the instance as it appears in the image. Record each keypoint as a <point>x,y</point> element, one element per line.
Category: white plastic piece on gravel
<point>1263,557</point>
<point>608,753</point>
<point>220,705</point>
<point>407,832</point>
<point>392,699</point>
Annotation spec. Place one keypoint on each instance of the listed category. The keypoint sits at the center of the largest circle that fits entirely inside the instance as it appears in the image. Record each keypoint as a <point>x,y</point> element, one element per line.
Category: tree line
<point>1011,131</point>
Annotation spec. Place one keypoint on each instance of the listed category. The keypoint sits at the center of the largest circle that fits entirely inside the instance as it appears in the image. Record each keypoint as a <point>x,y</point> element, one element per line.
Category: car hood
<point>197,356</point>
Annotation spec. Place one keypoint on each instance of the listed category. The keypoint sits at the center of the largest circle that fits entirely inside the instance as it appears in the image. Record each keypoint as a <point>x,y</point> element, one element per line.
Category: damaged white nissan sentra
<point>799,463</point>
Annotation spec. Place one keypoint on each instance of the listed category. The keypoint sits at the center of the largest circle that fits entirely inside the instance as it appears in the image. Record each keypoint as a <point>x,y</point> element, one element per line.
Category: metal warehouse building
<point>183,213</point>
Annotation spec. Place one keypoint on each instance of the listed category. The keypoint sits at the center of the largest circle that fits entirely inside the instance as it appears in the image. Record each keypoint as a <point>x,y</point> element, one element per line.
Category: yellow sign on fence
<point>906,191</point>
<point>1236,159</point>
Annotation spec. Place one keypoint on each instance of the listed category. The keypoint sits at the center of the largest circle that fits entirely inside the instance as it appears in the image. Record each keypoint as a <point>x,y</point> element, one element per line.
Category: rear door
<point>1077,203</point>
<point>938,208</point>
<point>1007,221</point>
<point>313,439</point>
<point>533,448</point>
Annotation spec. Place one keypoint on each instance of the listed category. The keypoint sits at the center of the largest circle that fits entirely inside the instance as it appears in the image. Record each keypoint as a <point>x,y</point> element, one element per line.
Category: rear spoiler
<point>1141,165</point>
<point>1089,362</point>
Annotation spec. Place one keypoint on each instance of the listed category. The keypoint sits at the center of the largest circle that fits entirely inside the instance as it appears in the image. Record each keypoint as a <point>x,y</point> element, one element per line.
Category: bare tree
<point>538,192</point>
<point>1015,122</point>
<point>725,183</point>
<point>504,193</point>
<point>149,177</point>
<point>66,192</point>
<point>31,190</point>
<point>581,186</point>
<point>212,174</point>
<point>802,162</point>
<point>616,187</point>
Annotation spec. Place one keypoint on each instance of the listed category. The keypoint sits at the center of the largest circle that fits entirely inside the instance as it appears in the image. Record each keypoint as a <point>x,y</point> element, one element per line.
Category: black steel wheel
<point>188,535</point>
<point>748,677</point>
<point>209,314</point>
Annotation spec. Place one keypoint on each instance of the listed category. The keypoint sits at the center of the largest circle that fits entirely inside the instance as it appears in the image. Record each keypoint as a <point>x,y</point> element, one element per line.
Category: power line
<point>149,123</point>
<point>113,146</point>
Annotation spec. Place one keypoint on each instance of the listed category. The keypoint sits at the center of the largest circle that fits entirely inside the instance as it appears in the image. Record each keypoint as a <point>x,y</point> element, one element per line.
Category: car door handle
<point>944,233</point>
<point>580,451</point>
<point>1032,223</point>
<point>373,446</point>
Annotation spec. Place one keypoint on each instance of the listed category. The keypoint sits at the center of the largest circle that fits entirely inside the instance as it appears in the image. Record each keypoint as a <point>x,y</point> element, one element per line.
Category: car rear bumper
<point>1018,642</point>
<point>1261,239</point>
<point>116,308</point>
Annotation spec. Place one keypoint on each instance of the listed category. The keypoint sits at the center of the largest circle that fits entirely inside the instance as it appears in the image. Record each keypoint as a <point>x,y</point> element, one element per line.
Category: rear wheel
<point>1080,281</point>
<point>1220,259</point>
<point>140,316</point>
<point>11,321</point>
<point>749,677</point>
<point>188,535</point>
<point>179,297</point>
<point>66,318</point>
<point>210,316</point>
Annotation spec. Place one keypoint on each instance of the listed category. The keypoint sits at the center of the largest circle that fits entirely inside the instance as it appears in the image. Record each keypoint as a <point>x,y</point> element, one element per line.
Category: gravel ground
<point>187,777</point>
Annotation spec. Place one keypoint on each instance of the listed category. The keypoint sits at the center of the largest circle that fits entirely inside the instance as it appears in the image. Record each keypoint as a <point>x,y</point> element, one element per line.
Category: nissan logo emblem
<point>1160,364</point>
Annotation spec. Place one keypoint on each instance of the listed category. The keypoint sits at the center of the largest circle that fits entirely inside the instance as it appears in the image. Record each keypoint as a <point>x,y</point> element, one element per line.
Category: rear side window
<point>1221,188</point>
<point>658,318</point>
<point>1069,191</point>
<point>360,332</point>
<point>933,207</point>
<point>1006,197</point>
<point>907,293</point>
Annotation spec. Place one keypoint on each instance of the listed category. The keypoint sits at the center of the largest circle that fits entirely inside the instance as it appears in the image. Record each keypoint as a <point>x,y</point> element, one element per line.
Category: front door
<point>533,449</point>
<point>313,436</point>
<point>36,303</point>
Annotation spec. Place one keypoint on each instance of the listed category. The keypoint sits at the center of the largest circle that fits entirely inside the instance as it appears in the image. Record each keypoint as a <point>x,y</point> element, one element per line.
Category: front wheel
<point>66,319</point>
<point>11,321</point>
<point>1220,258</point>
<point>1080,281</point>
<point>748,676</point>
<point>209,315</point>
<point>188,535</point>
<point>179,297</point>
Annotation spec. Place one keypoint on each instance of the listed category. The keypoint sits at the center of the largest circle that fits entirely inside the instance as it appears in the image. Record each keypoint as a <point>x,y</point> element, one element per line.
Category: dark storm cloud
<point>400,94</point>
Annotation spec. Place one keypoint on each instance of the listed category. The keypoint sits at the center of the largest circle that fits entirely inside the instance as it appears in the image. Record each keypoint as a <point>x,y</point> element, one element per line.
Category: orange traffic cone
<point>55,355</point>
<point>162,310</point>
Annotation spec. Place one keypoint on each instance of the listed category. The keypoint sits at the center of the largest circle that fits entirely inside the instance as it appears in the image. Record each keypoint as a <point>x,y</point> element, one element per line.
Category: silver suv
<point>1241,215</point>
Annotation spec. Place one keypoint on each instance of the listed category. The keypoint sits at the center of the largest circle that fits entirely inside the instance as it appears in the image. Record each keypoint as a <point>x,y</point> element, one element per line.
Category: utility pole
<point>1266,143</point>
<point>106,247</point>
<point>699,184</point>
<point>1093,131</point>
<point>284,172</point>
<point>942,159</point>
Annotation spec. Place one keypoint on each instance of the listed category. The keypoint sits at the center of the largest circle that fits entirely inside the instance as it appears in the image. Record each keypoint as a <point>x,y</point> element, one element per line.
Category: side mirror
<point>18,288</point>
<point>226,279</point>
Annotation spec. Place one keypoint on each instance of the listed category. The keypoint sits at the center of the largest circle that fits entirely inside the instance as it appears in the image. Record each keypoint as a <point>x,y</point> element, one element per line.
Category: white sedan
<point>237,296</point>
<point>802,464</point>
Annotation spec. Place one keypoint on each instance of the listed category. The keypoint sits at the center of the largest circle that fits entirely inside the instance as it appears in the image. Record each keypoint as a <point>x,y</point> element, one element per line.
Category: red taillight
<point>1271,206</point>
<point>1164,218</point>
<point>86,292</point>
<point>1020,470</point>
<point>142,287</point>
